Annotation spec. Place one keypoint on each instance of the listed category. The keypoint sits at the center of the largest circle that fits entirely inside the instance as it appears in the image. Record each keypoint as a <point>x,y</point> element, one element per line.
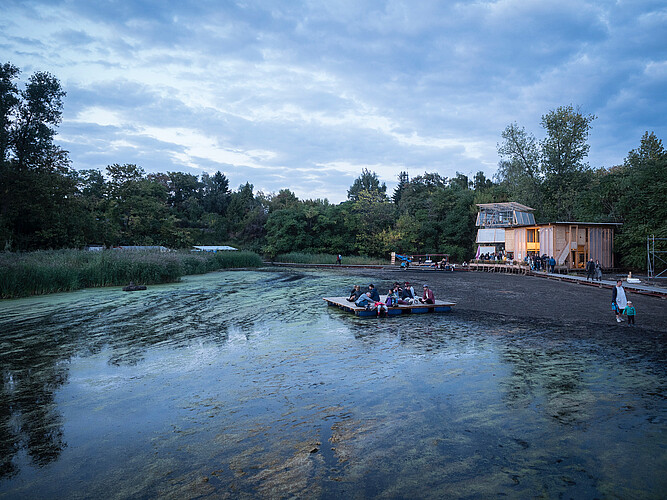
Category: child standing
<point>630,312</point>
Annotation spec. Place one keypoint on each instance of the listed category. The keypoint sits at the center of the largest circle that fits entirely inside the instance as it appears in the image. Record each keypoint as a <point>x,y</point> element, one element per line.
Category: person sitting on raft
<point>392,297</point>
<point>370,297</point>
<point>428,297</point>
<point>407,294</point>
<point>355,294</point>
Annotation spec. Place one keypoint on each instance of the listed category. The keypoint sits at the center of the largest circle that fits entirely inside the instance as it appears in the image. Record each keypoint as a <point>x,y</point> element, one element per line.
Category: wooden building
<point>494,218</point>
<point>570,243</point>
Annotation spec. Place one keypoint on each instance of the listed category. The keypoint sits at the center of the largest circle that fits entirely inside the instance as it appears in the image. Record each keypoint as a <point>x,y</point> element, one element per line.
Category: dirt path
<point>527,298</point>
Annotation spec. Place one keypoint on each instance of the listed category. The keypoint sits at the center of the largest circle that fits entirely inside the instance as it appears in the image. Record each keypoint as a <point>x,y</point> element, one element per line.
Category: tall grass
<point>325,258</point>
<point>34,273</point>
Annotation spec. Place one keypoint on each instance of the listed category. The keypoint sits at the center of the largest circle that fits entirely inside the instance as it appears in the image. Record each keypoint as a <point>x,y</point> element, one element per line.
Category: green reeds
<point>325,258</point>
<point>35,273</point>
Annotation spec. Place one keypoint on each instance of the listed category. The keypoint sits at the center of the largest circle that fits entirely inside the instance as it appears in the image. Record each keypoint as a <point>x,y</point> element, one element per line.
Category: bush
<point>325,258</point>
<point>35,273</point>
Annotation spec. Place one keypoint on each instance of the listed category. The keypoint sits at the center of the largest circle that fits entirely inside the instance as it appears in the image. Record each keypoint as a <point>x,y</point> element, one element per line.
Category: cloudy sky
<point>303,94</point>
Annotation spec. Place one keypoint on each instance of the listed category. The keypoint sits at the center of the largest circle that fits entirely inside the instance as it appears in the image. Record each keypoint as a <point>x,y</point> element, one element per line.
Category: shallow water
<point>245,384</point>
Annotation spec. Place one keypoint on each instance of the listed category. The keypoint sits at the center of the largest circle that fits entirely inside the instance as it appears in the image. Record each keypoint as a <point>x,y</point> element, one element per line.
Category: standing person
<point>618,300</point>
<point>428,296</point>
<point>339,259</point>
<point>552,264</point>
<point>590,269</point>
<point>630,312</point>
<point>598,271</point>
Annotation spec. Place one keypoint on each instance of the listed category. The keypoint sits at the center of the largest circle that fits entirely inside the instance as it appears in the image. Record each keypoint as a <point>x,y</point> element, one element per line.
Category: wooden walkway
<point>641,288</point>
<point>342,303</point>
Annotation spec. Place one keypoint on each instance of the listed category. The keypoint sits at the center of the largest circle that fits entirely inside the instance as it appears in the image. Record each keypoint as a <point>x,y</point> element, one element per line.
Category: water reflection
<point>247,383</point>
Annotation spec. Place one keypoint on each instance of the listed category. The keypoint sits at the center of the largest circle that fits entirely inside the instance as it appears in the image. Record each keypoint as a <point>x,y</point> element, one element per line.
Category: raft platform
<point>342,303</point>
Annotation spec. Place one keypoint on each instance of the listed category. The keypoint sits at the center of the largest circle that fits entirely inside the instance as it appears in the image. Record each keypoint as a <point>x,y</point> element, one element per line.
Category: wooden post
<point>569,245</point>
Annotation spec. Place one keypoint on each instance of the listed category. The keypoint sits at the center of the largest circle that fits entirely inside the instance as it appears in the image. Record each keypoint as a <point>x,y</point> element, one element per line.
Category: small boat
<point>133,288</point>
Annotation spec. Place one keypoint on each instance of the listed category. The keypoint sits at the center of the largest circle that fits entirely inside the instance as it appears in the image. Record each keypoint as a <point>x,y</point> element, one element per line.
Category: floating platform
<point>342,303</point>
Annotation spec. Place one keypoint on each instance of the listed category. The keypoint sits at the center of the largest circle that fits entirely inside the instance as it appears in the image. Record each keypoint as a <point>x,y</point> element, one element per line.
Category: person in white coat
<point>619,300</point>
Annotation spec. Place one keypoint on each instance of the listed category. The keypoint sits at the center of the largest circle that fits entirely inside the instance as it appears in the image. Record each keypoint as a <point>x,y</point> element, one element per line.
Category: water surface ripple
<point>244,384</point>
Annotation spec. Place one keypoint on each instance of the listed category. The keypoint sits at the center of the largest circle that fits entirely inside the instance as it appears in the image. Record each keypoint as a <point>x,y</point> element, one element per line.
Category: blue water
<point>245,384</point>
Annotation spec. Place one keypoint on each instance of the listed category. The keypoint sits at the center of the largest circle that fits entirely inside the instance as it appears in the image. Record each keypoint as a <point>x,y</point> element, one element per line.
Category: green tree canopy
<point>367,181</point>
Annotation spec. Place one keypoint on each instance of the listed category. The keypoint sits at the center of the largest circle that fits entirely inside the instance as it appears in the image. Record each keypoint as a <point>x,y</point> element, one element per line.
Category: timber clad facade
<point>570,243</point>
<point>511,227</point>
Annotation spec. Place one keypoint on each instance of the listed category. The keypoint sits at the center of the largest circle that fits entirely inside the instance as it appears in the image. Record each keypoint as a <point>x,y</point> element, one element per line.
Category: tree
<point>367,181</point>
<point>181,188</point>
<point>9,100</point>
<point>460,181</point>
<point>36,181</point>
<point>284,199</point>
<point>563,152</point>
<point>641,204</point>
<point>137,209</point>
<point>519,167</point>
<point>246,217</point>
<point>403,181</point>
<point>481,183</point>
<point>215,193</point>
<point>565,147</point>
<point>374,214</point>
<point>39,111</point>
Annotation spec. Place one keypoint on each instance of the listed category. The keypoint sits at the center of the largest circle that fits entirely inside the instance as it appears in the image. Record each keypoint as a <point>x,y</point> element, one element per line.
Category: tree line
<point>46,203</point>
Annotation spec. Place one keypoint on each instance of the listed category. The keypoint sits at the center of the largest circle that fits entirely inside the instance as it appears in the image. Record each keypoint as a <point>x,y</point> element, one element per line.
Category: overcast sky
<point>304,94</point>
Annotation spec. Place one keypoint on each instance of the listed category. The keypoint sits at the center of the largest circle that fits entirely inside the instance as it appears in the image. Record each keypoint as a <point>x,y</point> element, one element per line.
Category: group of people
<point>593,270</point>
<point>397,295</point>
<point>538,263</point>
<point>495,256</point>
<point>621,305</point>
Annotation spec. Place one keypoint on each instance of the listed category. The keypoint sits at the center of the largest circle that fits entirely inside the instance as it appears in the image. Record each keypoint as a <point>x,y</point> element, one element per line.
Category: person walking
<point>590,269</point>
<point>619,301</point>
<point>630,312</point>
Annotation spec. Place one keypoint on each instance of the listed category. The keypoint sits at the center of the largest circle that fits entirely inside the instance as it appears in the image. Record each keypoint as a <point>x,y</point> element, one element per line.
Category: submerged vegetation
<point>49,271</point>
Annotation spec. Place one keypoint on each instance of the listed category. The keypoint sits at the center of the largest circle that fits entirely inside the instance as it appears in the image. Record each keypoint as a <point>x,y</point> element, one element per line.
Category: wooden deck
<point>342,303</point>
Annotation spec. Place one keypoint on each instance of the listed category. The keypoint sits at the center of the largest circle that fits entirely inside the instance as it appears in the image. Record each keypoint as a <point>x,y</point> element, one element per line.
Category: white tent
<point>212,248</point>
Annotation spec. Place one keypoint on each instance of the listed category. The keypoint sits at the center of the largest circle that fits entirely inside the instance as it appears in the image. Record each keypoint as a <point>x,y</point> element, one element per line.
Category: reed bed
<point>35,273</point>
<point>325,258</point>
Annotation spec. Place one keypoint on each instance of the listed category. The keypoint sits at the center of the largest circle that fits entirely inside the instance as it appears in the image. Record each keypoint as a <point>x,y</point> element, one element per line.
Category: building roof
<point>509,205</point>
<point>523,226</point>
<point>587,223</point>
<point>213,248</point>
<point>142,248</point>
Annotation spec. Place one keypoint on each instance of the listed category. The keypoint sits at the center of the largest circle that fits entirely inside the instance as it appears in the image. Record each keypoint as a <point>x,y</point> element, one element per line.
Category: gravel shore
<point>511,297</point>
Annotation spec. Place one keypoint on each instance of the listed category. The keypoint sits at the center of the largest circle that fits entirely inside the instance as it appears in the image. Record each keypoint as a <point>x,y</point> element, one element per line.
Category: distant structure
<point>93,248</point>
<point>141,248</point>
<point>510,228</point>
<point>212,248</point>
<point>494,218</point>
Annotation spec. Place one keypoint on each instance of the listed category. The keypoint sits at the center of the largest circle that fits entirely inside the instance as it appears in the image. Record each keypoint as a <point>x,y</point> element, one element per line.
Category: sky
<point>304,94</point>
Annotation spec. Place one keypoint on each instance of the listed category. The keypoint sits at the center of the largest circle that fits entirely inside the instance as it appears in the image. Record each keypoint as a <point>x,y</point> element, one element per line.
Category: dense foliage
<point>47,271</point>
<point>46,204</point>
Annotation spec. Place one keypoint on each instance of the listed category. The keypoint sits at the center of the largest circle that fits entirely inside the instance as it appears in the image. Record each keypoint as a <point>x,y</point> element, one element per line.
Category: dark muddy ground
<point>512,297</point>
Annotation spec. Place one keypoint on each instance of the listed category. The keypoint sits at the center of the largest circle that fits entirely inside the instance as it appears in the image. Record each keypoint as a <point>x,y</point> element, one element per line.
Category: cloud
<point>304,94</point>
